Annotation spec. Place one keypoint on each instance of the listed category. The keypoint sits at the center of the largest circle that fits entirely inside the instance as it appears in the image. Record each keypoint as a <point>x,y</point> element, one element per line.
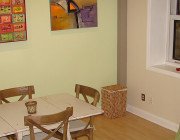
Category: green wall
<point>54,61</point>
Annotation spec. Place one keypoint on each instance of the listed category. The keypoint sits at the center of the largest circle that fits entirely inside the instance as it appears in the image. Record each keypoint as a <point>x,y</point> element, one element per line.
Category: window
<point>163,37</point>
<point>176,40</point>
<point>174,37</point>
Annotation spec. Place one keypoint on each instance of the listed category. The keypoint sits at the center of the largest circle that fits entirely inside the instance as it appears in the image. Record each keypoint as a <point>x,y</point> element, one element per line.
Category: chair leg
<point>91,134</point>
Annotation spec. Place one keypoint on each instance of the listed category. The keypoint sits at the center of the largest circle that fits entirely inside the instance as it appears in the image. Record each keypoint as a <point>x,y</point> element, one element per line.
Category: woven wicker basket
<point>114,100</point>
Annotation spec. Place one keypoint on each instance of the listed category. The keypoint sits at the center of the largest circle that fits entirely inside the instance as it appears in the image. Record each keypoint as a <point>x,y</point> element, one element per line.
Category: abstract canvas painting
<point>12,21</point>
<point>70,14</point>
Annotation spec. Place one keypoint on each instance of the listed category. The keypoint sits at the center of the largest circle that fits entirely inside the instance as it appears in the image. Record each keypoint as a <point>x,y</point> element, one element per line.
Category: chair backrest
<point>40,121</point>
<point>17,91</point>
<point>86,92</point>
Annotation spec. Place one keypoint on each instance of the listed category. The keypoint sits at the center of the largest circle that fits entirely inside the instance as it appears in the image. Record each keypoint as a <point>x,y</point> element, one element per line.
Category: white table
<point>13,113</point>
<point>5,128</point>
<point>81,109</point>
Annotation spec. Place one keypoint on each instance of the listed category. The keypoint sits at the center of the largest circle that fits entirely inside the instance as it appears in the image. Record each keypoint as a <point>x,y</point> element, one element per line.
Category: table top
<point>5,128</point>
<point>12,114</point>
<point>81,109</point>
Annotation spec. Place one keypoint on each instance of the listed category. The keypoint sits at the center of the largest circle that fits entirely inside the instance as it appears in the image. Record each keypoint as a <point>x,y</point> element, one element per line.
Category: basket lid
<point>113,88</point>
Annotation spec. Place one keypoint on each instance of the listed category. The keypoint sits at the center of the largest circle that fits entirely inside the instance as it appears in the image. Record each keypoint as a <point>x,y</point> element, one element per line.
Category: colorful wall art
<point>12,21</point>
<point>70,14</point>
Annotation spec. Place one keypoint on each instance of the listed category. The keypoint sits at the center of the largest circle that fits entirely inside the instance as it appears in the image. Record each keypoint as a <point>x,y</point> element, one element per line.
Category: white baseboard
<point>153,118</point>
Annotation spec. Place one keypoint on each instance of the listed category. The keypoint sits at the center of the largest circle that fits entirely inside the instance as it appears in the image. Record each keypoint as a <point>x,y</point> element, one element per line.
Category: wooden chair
<point>18,91</point>
<point>79,128</point>
<point>12,92</point>
<point>40,121</point>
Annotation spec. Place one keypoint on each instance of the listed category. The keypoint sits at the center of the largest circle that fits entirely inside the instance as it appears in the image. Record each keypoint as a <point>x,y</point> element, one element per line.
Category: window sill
<point>165,69</point>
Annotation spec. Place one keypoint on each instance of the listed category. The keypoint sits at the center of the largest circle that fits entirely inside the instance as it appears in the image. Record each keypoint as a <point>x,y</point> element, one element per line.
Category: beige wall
<point>55,61</point>
<point>164,90</point>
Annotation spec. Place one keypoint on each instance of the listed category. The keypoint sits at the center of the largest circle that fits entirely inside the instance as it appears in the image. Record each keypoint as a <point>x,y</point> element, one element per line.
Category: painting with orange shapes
<point>12,21</point>
<point>71,14</point>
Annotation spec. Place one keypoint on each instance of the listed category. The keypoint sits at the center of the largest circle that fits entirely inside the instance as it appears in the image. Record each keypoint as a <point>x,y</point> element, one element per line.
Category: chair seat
<point>77,125</point>
<point>38,136</point>
<point>3,138</point>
